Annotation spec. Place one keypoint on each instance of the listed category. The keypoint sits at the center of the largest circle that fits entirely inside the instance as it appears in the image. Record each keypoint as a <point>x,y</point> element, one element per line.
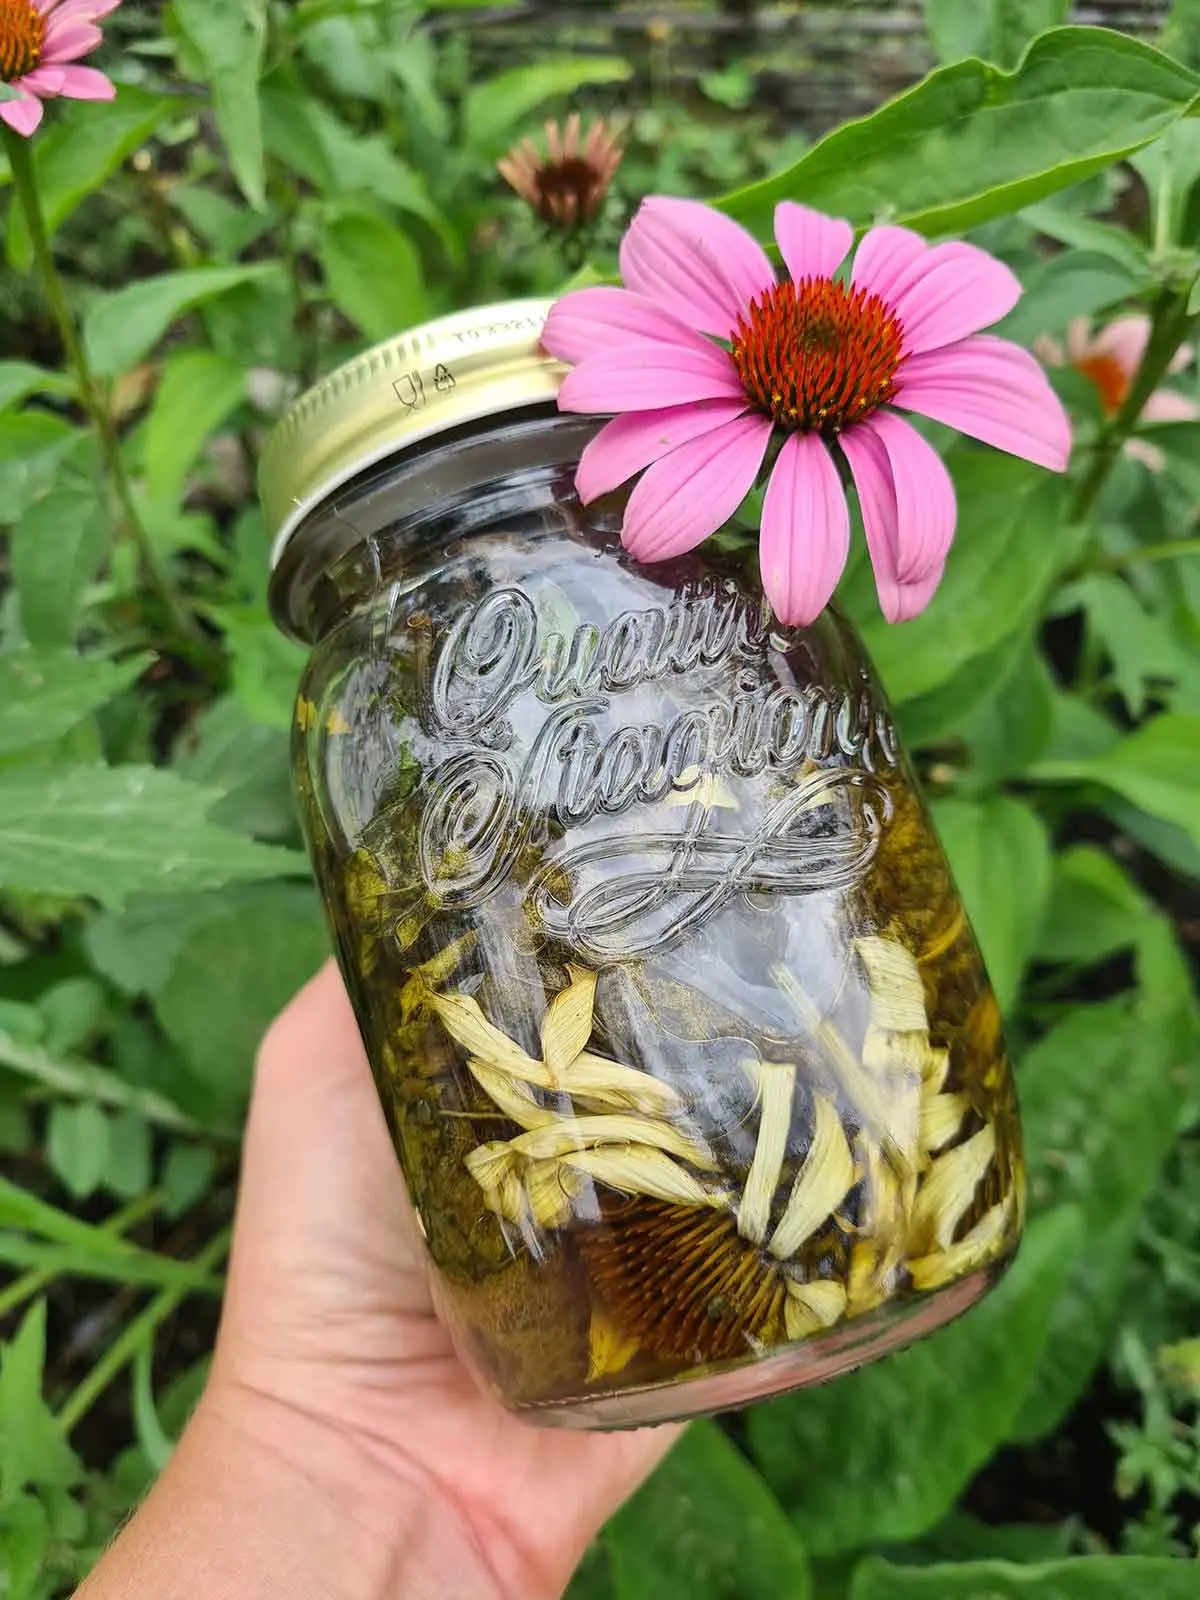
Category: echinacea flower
<point>40,40</point>
<point>1110,360</point>
<point>566,186</point>
<point>705,356</point>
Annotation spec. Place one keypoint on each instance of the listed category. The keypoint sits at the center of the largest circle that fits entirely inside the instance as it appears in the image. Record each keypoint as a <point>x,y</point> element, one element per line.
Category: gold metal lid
<point>473,364</point>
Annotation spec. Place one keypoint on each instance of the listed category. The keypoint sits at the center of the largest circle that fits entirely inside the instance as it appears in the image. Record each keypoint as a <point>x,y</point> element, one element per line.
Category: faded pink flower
<point>1110,360</point>
<point>813,358</point>
<point>39,42</point>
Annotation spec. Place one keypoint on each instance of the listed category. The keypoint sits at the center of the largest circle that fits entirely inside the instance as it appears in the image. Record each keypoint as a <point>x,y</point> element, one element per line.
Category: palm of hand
<point>329,1319</point>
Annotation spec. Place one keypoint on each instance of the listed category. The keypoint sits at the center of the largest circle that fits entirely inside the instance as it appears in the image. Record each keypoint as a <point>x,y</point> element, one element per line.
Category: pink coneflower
<point>1110,360</point>
<point>815,360</point>
<point>39,41</point>
<point>566,186</point>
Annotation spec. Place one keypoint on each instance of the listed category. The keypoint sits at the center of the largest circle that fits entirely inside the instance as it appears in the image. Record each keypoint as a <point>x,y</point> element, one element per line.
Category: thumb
<point>324,1228</point>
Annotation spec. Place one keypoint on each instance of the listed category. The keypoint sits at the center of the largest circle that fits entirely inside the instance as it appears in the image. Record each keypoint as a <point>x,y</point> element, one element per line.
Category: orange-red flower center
<point>22,32</point>
<point>1110,378</point>
<point>818,355</point>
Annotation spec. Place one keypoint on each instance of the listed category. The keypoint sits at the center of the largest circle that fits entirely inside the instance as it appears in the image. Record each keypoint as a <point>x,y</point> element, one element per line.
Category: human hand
<point>339,1433</point>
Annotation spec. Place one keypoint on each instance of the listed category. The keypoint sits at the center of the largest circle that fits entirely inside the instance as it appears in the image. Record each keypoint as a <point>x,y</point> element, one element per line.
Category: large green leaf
<point>706,1526</point>
<point>882,1455</point>
<point>57,547</point>
<point>495,109</point>
<point>255,953</point>
<point>973,142</point>
<point>122,327</point>
<point>43,695</point>
<point>373,272</point>
<point>1085,1578</point>
<point>1000,855</point>
<point>78,153</point>
<point>1009,541</point>
<point>230,37</point>
<point>1156,767</point>
<point>21,378</point>
<point>197,391</point>
<point>1012,728</point>
<point>1100,1096</point>
<point>115,832</point>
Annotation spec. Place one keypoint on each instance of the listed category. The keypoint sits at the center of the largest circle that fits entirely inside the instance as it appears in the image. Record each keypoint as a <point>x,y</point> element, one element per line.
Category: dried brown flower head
<point>566,185</point>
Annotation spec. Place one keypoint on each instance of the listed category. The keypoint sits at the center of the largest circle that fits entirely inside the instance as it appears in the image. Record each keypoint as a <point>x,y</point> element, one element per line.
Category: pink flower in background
<point>1110,360</point>
<point>813,358</point>
<point>39,42</point>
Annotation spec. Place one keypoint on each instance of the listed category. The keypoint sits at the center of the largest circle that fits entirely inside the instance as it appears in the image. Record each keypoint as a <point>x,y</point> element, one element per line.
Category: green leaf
<point>973,142</point>
<point>128,1169</point>
<point>1000,855</point>
<point>1008,544</point>
<point>38,452</point>
<point>122,327</point>
<point>43,695</point>
<point>943,713</point>
<point>1100,1096</point>
<point>226,226</point>
<point>1139,643</point>
<point>24,1546</point>
<point>706,1525</point>
<point>79,153</point>
<point>110,833</point>
<point>1180,35</point>
<point>77,1147</point>
<point>1012,728</point>
<point>228,750</point>
<point>196,393</point>
<point>1095,909</point>
<point>230,37</point>
<point>1156,767</point>
<point>57,548</point>
<point>187,1174</point>
<point>19,379</point>
<point>266,665</point>
<point>494,109</point>
<point>1084,1578</point>
<point>32,1448</point>
<point>255,954</point>
<point>1076,283</point>
<point>883,1453</point>
<point>373,272</point>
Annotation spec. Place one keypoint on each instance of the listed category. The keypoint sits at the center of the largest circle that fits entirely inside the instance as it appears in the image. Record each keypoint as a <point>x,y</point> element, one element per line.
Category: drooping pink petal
<point>69,42</point>
<point>687,495</point>
<point>884,257</point>
<point>1181,360</point>
<point>805,534</point>
<point>642,377</point>
<point>954,290</point>
<point>926,510</point>
<point>869,462</point>
<point>694,262</point>
<point>993,390</point>
<point>70,10</point>
<point>1148,454</point>
<point>85,83</point>
<point>44,81</point>
<point>588,322</point>
<point>1124,339</point>
<point>812,245</point>
<point>22,116</point>
<point>1168,405</point>
<point>630,442</point>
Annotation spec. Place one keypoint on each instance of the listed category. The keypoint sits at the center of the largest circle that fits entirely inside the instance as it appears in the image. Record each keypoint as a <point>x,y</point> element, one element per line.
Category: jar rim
<point>425,381</point>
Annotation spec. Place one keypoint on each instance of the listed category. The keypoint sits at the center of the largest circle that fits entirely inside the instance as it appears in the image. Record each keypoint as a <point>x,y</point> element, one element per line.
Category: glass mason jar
<point>683,1038</point>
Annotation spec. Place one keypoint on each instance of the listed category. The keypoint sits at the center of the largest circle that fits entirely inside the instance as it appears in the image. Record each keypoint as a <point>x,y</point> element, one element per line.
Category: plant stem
<point>1170,325</point>
<point>1165,550</point>
<point>123,1349</point>
<point>93,401</point>
<point>31,1283</point>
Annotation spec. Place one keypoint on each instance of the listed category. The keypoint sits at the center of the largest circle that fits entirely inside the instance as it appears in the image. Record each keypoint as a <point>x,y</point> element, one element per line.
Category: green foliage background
<point>274,185</point>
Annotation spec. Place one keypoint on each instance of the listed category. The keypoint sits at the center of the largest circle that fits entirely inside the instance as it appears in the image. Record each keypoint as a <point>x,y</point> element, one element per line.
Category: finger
<point>323,1214</point>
